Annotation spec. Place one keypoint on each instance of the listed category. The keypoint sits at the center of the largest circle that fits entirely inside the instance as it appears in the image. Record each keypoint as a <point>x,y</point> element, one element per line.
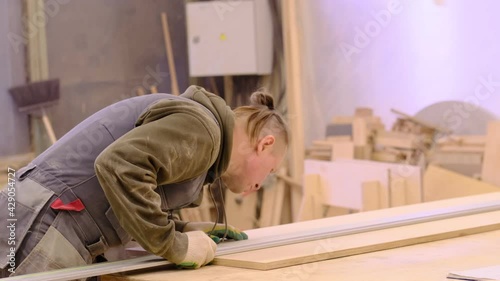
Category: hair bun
<point>261,98</point>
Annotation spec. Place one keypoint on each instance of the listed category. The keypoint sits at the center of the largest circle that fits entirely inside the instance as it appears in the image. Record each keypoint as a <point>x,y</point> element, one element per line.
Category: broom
<point>35,97</point>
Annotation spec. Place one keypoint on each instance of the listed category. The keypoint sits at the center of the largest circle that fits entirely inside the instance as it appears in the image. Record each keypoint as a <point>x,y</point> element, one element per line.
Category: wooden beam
<point>170,54</point>
<point>294,84</point>
<point>375,197</point>
<point>491,163</point>
<point>241,210</point>
<point>313,202</point>
<point>272,203</point>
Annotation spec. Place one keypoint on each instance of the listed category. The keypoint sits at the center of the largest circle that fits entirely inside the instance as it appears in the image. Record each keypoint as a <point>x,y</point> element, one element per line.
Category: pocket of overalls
<point>21,203</point>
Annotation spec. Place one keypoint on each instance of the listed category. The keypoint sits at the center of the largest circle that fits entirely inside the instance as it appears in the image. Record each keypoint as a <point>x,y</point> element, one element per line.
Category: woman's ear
<point>265,143</point>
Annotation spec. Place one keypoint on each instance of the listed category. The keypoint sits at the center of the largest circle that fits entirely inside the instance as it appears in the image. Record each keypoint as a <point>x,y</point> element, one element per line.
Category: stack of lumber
<point>347,137</point>
<point>461,154</point>
<point>409,141</point>
<point>360,166</point>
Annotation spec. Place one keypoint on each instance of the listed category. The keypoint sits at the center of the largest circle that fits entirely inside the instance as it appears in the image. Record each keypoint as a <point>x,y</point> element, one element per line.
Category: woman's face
<point>254,164</point>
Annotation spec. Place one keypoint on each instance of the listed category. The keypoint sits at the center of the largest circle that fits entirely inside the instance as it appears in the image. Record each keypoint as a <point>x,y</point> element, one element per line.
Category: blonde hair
<point>262,117</point>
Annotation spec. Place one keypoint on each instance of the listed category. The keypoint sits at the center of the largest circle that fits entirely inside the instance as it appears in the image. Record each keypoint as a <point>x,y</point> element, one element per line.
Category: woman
<point>117,176</point>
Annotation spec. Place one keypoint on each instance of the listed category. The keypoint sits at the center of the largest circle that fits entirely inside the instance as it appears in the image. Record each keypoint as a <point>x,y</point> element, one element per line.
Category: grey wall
<point>14,132</point>
<point>104,50</point>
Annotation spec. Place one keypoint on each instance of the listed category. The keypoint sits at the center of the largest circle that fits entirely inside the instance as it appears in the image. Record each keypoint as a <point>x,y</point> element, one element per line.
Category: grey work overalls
<point>63,216</point>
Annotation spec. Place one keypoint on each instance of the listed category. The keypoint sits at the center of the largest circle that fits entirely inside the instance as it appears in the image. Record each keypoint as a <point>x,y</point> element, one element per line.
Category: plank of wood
<point>399,192</point>
<point>333,211</point>
<point>464,158</point>
<point>396,139</point>
<point>241,210</point>
<point>312,206</point>
<point>461,148</point>
<point>359,131</point>
<point>478,140</point>
<point>354,244</point>
<point>363,152</point>
<point>411,191</point>
<point>292,48</point>
<point>343,180</point>
<point>37,65</point>
<point>374,196</point>
<point>412,263</point>
<point>170,54</point>
<point>440,184</point>
<point>386,156</point>
<point>191,214</point>
<point>342,150</point>
<point>490,173</point>
<point>272,204</point>
<point>363,111</point>
<point>228,89</point>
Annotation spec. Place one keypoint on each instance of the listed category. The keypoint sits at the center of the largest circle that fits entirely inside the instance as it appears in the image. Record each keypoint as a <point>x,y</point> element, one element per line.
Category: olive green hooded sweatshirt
<point>173,141</point>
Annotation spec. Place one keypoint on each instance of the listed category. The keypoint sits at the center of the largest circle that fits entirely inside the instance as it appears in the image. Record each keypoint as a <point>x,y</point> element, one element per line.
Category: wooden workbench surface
<point>429,261</point>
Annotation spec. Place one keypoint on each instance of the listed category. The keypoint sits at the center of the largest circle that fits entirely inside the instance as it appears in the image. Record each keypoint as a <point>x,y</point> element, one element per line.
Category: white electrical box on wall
<point>229,37</point>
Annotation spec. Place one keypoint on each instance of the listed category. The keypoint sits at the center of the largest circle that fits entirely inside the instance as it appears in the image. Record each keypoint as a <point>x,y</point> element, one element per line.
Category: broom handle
<point>170,54</point>
<point>48,126</point>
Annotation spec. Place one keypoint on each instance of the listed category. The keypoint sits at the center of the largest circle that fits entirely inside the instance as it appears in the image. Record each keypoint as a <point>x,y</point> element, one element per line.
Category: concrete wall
<point>398,54</point>
<point>104,50</point>
<point>14,133</point>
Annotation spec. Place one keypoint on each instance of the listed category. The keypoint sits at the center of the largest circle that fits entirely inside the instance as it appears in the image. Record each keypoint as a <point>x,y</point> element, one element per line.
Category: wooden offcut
<point>491,162</point>
<point>375,197</point>
<point>313,199</point>
<point>272,203</point>
<point>241,210</point>
<point>441,184</point>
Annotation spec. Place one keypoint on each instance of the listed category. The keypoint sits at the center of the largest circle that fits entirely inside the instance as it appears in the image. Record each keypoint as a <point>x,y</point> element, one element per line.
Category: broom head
<point>35,95</point>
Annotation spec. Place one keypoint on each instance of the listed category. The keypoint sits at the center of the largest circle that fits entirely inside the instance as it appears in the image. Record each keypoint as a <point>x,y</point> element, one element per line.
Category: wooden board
<point>428,261</point>
<point>342,150</point>
<point>343,189</point>
<point>241,210</point>
<point>396,139</point>
<point>374,196</point>
<point>312,206</point>
<point>405,181</point>
<point>294,77</point>
<point>491,163</point>
<point>440,184</point>
<point>343,180</point>
<point>272,204</point>
<point>362,243</point>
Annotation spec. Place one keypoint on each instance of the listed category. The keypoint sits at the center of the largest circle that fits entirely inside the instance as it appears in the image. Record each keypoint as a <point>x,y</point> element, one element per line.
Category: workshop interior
<point>392,111</point>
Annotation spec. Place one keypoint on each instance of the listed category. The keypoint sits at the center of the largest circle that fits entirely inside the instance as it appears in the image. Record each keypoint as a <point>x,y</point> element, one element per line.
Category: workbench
<point>428,261</point>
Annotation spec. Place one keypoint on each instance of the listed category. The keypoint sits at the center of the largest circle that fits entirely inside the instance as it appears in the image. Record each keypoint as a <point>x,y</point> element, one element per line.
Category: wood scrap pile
<point>347,137</point>
<point>450,165</point>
